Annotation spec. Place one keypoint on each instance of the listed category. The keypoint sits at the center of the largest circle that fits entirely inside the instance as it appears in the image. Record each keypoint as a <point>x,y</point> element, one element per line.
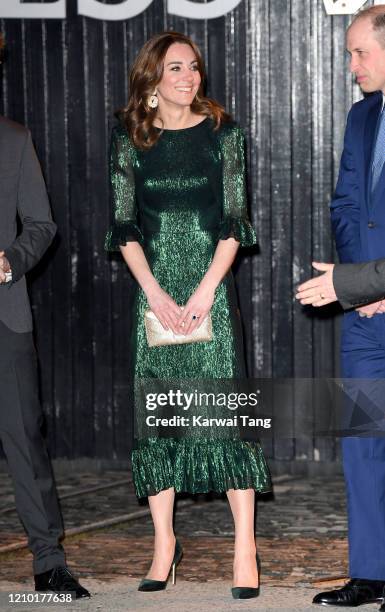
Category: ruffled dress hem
<point>199,466</point>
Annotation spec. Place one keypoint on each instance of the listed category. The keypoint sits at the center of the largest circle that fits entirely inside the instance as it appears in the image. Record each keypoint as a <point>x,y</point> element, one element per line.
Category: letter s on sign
<point>197,10</point>
<point>112,12</point>
<point>343,7</point>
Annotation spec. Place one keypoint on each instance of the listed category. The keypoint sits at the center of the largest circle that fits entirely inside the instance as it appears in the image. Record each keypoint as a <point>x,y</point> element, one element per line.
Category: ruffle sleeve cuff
<point>121,233</point>
<point>238,228</point>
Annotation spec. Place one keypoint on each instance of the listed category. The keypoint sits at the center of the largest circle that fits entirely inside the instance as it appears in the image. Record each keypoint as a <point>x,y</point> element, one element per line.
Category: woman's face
<point>181,79</point>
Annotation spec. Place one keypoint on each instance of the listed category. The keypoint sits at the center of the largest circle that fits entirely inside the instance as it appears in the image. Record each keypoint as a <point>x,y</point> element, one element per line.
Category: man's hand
<point>381,308</point>
<point>318,291</point>
<point>371,309</point>
<point>4,267</point>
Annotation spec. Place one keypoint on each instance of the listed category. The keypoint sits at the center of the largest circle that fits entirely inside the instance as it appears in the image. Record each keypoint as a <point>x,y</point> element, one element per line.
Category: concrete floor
<point>301,537</point>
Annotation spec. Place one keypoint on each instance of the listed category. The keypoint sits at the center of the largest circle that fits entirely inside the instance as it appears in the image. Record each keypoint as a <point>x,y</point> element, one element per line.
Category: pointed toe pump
<point>147,584</point>
<point>244,592</point>
<point>247,592</point>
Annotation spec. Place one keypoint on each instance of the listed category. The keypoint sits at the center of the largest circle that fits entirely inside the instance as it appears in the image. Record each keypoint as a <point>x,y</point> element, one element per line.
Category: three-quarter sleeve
<point>125,227</point>
<point>235,221</point>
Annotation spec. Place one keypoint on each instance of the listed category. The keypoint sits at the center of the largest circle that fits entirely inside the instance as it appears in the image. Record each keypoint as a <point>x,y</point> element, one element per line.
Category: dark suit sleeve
<point>33,208</point>
<point>359,284</point>
<point>345,206</point>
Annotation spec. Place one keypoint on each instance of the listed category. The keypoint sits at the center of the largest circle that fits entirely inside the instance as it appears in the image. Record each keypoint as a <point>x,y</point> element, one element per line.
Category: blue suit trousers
<point>363,357</point>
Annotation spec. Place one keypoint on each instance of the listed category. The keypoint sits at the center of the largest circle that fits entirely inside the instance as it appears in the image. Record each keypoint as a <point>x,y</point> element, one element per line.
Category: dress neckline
<point>192,127</point>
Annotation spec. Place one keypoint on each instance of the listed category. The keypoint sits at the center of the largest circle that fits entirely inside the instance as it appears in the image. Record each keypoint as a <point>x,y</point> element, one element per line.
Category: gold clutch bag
<point>158,336</point>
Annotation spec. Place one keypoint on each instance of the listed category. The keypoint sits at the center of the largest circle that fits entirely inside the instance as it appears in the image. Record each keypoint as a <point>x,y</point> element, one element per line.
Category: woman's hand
<point>162,305</point>
<point>164,308</point>
<point>199,305</point>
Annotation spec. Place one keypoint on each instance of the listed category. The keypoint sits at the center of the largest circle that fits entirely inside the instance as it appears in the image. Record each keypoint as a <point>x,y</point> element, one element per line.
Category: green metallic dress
<point>177,200</point>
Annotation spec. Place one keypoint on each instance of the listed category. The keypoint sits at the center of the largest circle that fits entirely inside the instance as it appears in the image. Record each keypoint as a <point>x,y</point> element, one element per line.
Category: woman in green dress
<point>178,187</point>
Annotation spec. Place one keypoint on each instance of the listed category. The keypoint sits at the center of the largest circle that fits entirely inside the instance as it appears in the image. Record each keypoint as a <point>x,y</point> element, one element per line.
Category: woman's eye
<point>195,68</point>
<point>175,68</point>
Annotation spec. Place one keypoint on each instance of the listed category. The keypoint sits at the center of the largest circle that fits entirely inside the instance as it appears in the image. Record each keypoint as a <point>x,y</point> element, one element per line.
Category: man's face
<point>367,57</point>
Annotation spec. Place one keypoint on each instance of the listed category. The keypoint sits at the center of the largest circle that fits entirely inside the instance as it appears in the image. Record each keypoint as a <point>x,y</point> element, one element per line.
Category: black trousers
<point>29,465</point>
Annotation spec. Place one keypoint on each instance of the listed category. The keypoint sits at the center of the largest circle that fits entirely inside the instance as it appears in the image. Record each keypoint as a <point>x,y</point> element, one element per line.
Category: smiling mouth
<point>184,89</point>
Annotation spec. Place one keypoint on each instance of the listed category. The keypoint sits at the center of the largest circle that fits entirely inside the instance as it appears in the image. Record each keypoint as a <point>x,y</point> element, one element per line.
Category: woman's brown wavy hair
<point>146,73</point>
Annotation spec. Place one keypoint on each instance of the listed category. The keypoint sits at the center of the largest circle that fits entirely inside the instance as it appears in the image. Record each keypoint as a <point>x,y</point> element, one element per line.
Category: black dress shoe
<point>60,580</point>
<point>356,592</point>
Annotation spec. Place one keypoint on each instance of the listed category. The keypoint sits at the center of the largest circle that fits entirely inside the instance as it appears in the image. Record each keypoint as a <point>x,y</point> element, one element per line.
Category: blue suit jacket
<point>358,216</point>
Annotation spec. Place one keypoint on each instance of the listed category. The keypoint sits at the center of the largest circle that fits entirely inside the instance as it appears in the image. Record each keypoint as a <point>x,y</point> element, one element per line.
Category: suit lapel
<point>370,133</point>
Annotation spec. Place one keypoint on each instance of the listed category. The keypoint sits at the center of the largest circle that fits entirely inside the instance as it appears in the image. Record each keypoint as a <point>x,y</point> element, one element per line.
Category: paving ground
<point>301,536</point>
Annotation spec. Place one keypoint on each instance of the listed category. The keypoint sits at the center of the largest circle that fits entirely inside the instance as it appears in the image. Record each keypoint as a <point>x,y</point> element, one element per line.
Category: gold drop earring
<point>153,100</point>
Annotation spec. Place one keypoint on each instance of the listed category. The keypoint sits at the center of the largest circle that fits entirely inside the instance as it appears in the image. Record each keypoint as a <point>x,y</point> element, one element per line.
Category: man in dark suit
<point>23,195</point>
<point>358,219</point>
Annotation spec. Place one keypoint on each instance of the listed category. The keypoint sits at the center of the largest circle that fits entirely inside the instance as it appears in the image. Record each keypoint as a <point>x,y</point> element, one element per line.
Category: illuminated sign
<point>15,9</point>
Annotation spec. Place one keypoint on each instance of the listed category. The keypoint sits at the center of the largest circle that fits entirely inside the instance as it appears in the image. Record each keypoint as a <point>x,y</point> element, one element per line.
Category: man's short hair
<point>376,14</point>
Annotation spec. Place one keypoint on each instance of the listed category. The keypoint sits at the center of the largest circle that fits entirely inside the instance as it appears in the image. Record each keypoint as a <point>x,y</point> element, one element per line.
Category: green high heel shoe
<point>147,584</point>
<point>247,592</point>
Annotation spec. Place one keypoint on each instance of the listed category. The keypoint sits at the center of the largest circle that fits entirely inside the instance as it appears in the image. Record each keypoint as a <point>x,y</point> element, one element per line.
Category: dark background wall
<point>280,68</point>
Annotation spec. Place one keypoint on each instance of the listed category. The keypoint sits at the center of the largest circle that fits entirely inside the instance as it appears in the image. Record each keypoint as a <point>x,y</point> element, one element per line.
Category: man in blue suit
<point>358,219</point>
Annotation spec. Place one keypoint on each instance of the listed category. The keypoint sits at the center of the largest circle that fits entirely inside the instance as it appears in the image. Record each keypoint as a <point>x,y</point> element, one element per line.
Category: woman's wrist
<point>209,283</point>
<point>150,287</point>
